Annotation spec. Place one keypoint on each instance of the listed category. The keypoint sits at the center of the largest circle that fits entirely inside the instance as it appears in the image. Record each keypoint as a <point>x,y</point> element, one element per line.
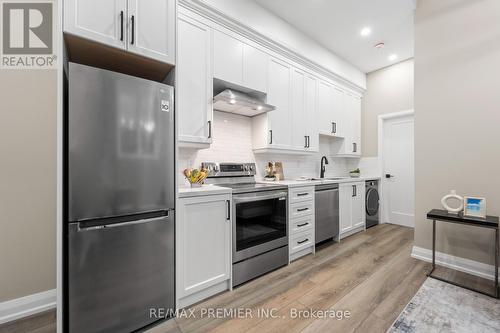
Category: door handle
<point>271,137</point>
<point>132,20</point>
<point>354,191</point>
<point>305,137</point>
<point>209,129</point>
<point>308,141</point>
<point>334,127</point>
<point>354,147</point>
<point>228,204</point>
<point>388,175</point>
<point>121,25</point>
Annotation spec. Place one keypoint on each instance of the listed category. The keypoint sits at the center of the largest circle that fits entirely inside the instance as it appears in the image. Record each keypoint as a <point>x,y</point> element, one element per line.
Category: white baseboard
<point>26,306</point>
<point>460,264</point>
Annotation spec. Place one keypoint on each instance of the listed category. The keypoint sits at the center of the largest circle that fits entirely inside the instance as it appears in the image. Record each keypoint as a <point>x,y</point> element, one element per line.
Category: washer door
<point>372,202</point>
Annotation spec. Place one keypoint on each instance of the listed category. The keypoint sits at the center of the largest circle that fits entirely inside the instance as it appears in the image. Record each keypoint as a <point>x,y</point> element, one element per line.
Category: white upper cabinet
<point>194,83</point>
<point>101,21</point>
<point>326,124</point>
<point>351,145</point>
<point>239,63</point>
<point>143,27</point>
<point>228,58</point>
<point>255,68</point>
<point>299,116</point>
<point>279,95</point>
<point>152,29</point>
<point>311,107</point>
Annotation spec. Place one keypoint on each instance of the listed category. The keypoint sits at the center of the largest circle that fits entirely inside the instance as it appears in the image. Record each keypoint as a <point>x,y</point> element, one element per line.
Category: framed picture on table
<point>475,207</point>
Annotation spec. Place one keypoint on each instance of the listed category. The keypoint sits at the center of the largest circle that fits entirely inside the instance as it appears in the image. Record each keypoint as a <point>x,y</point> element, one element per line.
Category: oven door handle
<point>243,199</point>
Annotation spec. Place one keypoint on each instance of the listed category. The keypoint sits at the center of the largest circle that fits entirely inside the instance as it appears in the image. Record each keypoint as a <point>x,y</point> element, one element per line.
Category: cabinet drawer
<point>301,241</point>
<point>301,224</point>
<point>301,209</point>
<point>300,194</point>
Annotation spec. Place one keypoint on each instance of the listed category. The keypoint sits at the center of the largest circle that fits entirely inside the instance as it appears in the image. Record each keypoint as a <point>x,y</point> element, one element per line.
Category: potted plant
<point>355,173</point>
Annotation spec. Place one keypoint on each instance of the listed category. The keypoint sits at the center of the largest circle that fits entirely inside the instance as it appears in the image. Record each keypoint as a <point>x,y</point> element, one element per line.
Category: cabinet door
<point>100,21</point>
<point>194,82</point>
<point>151,28</point>
<point>228,58</point>
<point>279,96</point>
<point>341,121</point>
<point>358,206</point>
<point>345,207</point>
<point>254,68</point>
<point>326,125</point>
<point>299,135</point>
<point>203,243</point>
<point>311,108</point>
<point>356,124</point>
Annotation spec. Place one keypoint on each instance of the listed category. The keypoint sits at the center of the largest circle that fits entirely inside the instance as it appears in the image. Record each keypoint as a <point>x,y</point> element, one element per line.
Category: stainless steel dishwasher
<point>327,212</point>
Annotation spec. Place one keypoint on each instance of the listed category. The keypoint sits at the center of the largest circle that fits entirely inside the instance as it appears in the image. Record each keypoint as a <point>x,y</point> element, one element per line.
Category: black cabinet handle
<point>334,127</point>
<point>388,175</point>
<point>302,242</point>
<point>302,194</point>
<point>302,225</point>
<point>209,129</point>
<point>271,137</point>
<point>354,147</point>
<point>228,204</point>
<point>132,19</point>
<point>302,209</point>
<point>354,192</point>
<point>305,144</point>
<point>308,141</point>
<point>121,25</point>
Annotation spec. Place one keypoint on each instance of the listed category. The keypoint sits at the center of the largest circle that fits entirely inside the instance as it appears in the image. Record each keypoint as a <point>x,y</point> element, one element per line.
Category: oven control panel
<point>229,169</point>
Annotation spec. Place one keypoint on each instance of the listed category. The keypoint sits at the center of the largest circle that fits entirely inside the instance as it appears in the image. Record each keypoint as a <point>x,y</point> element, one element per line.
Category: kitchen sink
<point>331,178</point>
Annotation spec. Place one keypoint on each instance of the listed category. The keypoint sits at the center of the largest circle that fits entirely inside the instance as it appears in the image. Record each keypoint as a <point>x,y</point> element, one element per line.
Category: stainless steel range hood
<point>233,101</point>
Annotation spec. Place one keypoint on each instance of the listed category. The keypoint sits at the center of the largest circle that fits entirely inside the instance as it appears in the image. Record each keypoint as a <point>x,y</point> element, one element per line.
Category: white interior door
<point>398,169</point>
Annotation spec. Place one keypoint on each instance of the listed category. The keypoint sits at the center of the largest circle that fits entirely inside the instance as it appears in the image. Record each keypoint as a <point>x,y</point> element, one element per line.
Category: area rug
<point>442,307</point>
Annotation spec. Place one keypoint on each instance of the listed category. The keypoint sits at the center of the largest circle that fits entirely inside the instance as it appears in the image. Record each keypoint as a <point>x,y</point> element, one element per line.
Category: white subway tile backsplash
<point>232,142</point>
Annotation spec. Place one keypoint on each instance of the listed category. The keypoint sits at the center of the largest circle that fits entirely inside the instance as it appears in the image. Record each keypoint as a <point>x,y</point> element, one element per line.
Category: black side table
<point>490,222</point>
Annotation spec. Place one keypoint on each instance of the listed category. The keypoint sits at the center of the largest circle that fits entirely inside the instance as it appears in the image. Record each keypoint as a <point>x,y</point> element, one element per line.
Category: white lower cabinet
<point>301,222</point>
<point>203,247</point>
<point>351,208</point>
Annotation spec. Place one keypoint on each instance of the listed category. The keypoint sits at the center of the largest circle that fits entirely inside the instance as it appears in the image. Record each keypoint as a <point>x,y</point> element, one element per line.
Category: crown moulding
<point>211,13</point>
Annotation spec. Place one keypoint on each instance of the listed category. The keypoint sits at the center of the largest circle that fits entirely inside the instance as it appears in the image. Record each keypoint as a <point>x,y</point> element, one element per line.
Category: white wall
<point>232,142</point>
<point>389,89</point>
<point>258,18</point>
<point>457,117</point>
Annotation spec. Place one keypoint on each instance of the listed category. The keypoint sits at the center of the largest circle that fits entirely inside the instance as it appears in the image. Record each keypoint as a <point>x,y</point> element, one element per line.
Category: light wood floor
<point>370,274</point>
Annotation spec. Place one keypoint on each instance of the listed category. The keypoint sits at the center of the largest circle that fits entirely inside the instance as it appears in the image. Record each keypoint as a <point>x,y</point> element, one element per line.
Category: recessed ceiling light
<point>393,57</point>
<point>366,31</point>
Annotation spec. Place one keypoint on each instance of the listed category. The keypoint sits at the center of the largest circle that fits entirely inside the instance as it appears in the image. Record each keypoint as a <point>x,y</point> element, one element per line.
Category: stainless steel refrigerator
<point>120,201</point>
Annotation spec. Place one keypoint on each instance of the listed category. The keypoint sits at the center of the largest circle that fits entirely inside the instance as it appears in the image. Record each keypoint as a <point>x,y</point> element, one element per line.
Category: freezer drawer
<point>117,273</point>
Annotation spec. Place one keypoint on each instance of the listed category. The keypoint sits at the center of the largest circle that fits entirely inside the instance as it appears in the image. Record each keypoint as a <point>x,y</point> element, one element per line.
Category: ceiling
<point>337,25</point>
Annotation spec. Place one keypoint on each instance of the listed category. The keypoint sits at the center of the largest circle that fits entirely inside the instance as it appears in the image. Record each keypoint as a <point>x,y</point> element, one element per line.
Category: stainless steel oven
<point>259,223</point>
<point>259,217</point>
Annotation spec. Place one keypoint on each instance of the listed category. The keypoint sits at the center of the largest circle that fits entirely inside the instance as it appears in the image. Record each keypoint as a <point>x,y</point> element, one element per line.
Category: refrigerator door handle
<point>122,224</point>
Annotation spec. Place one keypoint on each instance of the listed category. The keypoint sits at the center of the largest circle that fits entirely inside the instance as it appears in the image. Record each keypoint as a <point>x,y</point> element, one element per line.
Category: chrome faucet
<point>324,161</point>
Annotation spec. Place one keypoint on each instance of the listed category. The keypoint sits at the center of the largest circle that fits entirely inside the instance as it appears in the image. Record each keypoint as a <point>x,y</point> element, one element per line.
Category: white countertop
<point>186,192</point>
<point>301,183</point>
